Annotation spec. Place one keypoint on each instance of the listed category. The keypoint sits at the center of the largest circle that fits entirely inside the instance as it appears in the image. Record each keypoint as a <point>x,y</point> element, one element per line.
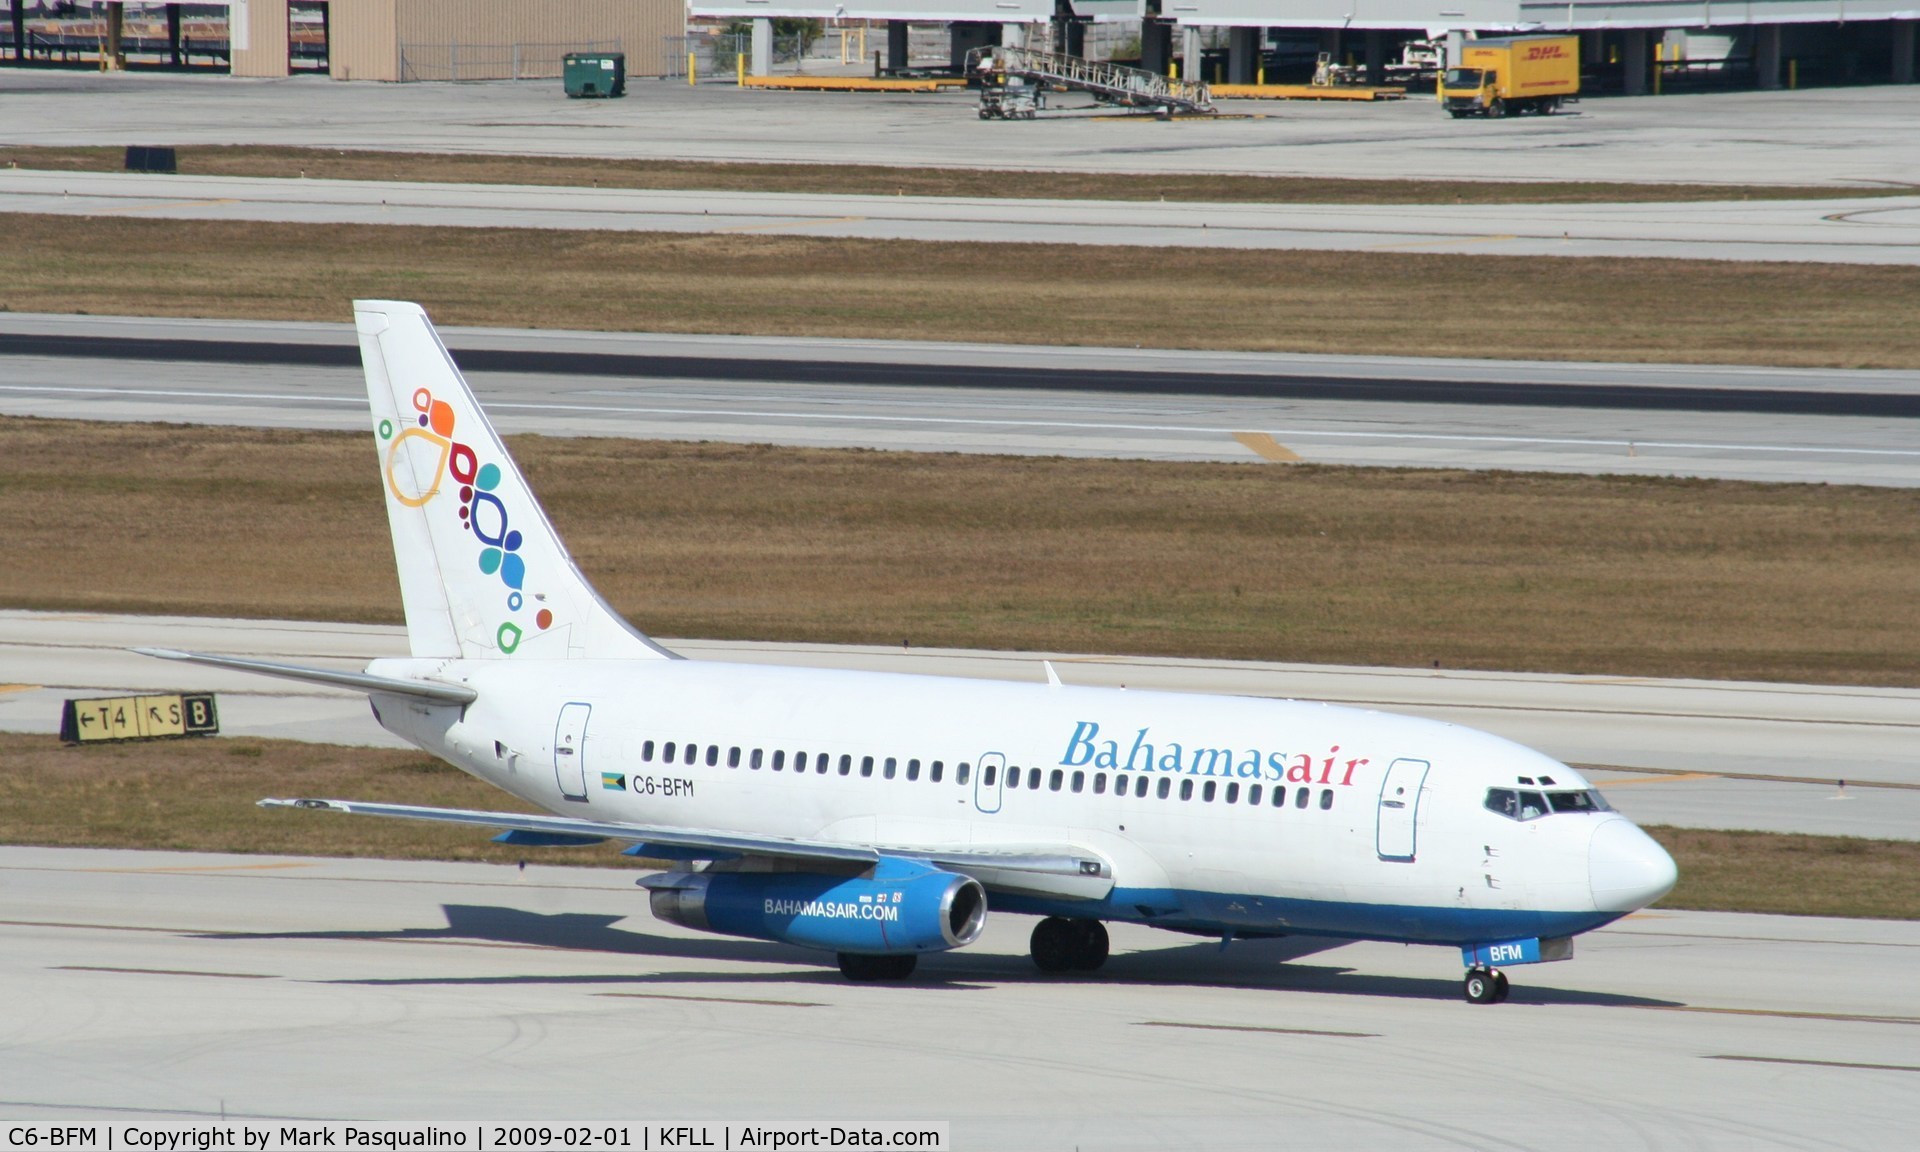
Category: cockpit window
<point>1525,804</point>
<point>1588,801</point>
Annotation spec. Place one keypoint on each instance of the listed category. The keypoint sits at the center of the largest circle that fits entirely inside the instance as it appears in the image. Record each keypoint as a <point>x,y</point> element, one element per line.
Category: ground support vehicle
<point>1512,75</point>
<point>999,68</point>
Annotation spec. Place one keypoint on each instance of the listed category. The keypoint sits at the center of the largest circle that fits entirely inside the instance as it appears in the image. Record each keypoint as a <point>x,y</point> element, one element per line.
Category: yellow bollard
<point>740,69</point>
<point>1793,74</point>
<point>690,66</point>
<point>1260,75</point>
<point>1659,54</point>
<point>1216,73</point>
<point>1173,69</point>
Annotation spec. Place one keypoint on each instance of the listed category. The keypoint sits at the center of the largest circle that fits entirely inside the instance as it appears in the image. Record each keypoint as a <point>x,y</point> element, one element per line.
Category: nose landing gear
<point>1063,945</point>
<point>1485,986</point>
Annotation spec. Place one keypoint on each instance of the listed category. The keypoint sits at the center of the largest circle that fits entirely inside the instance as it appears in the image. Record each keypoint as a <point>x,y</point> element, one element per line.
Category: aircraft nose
<point>1627,868</point>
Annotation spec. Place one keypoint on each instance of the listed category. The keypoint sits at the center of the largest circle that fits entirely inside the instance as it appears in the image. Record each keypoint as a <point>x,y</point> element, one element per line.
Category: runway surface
<point>1834,137</point>
<point>1844,231</point>
<point>176,986</point>
<point>1690,753</point>
<point>1748,423</point>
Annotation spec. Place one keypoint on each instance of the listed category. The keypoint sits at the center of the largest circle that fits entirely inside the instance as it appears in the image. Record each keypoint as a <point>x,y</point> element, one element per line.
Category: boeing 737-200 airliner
<point>878,816</point>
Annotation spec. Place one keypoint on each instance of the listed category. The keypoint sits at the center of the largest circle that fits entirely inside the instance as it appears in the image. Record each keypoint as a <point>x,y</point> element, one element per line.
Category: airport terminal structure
<point>1627,46</point>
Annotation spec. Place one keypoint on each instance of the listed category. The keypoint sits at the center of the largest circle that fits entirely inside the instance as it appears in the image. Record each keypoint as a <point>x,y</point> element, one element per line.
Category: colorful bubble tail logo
<point>482,513</point>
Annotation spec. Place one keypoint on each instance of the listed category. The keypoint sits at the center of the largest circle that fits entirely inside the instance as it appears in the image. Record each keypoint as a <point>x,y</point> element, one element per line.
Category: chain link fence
<point>492,61</point>
<point>715,55</point>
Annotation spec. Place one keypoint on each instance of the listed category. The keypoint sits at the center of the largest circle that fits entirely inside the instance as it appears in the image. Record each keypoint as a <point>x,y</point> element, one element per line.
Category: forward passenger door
<point>1400,809</point>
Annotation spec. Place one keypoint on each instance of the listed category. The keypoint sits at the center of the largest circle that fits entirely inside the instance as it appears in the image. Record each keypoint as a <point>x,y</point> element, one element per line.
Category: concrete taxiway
<point>1867,230</point>
<point>1726,422</point>
<point>1833,136</point>
<point>1690,753</point>
<point>175,986</point>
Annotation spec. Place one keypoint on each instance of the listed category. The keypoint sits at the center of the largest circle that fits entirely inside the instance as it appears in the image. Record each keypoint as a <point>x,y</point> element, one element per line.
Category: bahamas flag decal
<point>613,781</point>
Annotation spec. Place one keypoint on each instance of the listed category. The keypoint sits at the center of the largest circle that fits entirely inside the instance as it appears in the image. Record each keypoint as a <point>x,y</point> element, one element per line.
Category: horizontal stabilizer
<point>358,681</point>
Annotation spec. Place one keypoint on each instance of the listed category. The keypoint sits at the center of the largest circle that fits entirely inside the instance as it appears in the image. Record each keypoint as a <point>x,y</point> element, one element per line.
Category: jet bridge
<point>1013,81</point>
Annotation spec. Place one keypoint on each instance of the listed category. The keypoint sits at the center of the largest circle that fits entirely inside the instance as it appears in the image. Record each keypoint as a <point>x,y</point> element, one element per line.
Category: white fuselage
<point>1382,829</point>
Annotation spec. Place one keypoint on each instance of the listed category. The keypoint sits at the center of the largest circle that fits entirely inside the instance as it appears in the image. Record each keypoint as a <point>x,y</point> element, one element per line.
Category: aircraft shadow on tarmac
<point>1249,964</point>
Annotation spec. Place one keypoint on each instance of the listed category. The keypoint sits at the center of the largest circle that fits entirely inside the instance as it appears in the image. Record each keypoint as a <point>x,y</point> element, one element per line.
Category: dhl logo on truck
<point>1547,52</point>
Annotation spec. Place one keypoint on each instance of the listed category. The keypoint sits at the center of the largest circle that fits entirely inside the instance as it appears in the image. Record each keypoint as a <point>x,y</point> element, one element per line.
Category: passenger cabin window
<point>934,770</point>
<point>692,753</point>
<point>1233,793</point>
<point>1300,797</point>
<point>1166,787</point>
<point>1279,796</point>
<point>666,755</point>
<point>846,763</point>
<point>1013,777</point>
<point>733,757</point>
<point>646,752</point>
<point>1055,779</point>
<point>779,759</point>
<point>713,756</point>
<point>960,773</point>
<point>891,767</point>
<point>1140,786</point>
<point>1253,794</point>
<point>866,765</point>
<point>986,775</point>
<point>1079,781</point>
<point>753,760</point>
<point>913,770</point>
<point>1186,789</point>
<point>1326,799</point>
<point>1099,783</point>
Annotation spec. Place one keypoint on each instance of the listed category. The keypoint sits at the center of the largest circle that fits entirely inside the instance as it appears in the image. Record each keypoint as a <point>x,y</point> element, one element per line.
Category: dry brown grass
<point>1620,575</point>
<point>198,796</point>
<point>1794,875</point>
<point>1337,302</point>
<point>878,180</point>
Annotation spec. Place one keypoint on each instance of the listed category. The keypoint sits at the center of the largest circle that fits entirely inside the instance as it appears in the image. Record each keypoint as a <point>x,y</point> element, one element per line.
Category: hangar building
<point>1768,43</point>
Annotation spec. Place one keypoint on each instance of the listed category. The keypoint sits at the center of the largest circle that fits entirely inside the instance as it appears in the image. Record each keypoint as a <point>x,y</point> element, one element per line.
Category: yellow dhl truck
<point>1516,74</point>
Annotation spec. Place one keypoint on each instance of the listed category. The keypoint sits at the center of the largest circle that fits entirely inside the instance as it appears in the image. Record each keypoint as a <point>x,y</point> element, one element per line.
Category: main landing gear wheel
<point>1062,945</point>
<point>1485,986</point>
<point>859,966</point>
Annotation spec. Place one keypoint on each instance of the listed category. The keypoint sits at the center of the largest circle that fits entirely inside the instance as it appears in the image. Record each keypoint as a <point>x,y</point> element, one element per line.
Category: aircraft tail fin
<point>483,575</point>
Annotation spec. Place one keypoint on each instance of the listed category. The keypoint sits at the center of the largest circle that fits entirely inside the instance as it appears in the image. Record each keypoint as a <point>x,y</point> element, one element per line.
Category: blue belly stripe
<point>1216,913</point>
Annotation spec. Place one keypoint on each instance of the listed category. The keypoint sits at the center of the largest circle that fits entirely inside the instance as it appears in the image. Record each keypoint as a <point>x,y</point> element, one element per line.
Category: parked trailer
<point>1515,74</point>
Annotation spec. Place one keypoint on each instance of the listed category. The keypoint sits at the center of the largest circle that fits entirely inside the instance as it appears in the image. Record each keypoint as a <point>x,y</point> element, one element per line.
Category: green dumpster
<point>595,73</point>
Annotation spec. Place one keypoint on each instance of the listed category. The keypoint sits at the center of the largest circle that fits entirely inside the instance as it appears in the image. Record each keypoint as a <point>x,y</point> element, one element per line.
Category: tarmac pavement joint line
<point>1819,1063</point>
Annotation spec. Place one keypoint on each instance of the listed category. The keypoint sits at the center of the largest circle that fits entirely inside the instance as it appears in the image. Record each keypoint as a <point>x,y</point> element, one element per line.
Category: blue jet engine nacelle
<point>899,908</point>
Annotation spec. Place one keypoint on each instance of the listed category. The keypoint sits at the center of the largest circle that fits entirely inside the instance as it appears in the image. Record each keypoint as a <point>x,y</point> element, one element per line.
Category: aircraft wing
<point>1063,871</point>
